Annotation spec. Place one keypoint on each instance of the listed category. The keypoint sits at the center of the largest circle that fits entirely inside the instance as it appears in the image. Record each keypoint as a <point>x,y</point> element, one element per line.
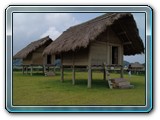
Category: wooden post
<point>48,68</point>
<point>73,75</point>
<point>31,69</point>
<point>104,75</point>
<point>26,69</point>
<point>73,70</point>
<point>44,69</point>
<point>23,69</point>
<point>104,71</point>
<point>89,76</point>
<point>121,71</point>
<point>62,74</point>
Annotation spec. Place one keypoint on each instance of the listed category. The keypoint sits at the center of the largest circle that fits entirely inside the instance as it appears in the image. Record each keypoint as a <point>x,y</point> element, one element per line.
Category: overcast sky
<point>28,27</point>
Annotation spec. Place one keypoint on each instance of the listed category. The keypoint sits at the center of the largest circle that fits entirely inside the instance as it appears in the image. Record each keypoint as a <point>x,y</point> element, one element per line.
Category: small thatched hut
<point>104,39</point>
<point>137,67</point>
<point>31,55</point>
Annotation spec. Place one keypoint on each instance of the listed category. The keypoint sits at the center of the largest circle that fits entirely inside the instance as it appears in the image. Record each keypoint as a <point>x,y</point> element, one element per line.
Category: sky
<point>28,27</point>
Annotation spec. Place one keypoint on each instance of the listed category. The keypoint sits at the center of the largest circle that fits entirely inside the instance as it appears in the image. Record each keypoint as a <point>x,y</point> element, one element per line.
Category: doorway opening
<point>114,55</point>
<point>48,59</point>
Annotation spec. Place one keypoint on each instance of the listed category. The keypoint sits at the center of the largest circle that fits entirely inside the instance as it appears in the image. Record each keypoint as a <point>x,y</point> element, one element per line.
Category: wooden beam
<point>104,73</point>
<point>73,75</point>
<point>62,69</point>
<point>31,70</point>
<point>127,43</point>
<point>23,69</point>
<point>48,68</point>
<point>121,71</point>
<point>43,69</point>
<point>124,28</point>
<point>26,69</point>
<point>62,74</point>
<point>89,76</point>
<point>73,70</point>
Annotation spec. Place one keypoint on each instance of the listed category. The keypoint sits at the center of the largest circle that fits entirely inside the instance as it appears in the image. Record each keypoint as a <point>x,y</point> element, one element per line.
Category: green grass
<point>42,90</point>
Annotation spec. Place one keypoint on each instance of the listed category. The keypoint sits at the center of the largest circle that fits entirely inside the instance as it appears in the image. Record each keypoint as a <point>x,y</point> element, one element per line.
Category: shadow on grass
<point>96,83</point>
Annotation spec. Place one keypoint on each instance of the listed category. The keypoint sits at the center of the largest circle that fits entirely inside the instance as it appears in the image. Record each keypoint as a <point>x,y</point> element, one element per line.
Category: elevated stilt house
<point>103,40</point>
<point>31,55</point>
<point>137,67</point>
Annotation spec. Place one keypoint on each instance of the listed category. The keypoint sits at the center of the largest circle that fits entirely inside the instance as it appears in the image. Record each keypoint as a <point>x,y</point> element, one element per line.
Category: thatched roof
<point>80,36</point>
<point>136,65</point>
<point>32,47</point>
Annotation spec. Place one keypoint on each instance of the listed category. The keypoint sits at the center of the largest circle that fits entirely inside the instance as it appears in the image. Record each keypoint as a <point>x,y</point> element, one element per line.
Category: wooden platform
<point>119,83</point>
<point>50,73</point>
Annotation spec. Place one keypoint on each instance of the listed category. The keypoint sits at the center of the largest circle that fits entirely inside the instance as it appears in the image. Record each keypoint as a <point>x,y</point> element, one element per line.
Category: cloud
<point>60,20</point>
<point>52,32</point>
<point>28,27</point>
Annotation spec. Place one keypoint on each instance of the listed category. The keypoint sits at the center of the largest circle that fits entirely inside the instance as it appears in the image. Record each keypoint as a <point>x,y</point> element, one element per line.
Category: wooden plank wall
<point>78,58</point>
<point>36,57</point>
<point>28,60</point>
<point>98,53</point>
<point>101,50</point>
<point>45,59</point>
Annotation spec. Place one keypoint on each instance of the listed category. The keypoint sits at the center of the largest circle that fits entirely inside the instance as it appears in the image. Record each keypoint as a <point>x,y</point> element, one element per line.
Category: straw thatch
<point>136,65</point>
<point>32,47</point>
<point>81,35</point>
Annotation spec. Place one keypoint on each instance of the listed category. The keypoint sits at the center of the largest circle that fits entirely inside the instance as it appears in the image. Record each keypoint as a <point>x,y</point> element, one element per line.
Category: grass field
<point>43,90</point>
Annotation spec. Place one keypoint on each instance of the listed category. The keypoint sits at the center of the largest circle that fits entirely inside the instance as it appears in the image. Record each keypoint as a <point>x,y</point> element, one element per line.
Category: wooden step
<point>50,73</point>
<point>119,83</point>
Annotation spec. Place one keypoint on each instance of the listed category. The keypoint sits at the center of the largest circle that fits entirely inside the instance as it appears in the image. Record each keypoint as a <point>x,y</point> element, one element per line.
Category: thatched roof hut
<point>103,40</point>
<point>32,53</point>
<point>136,65</point>
<point>32,47</point>
<point>80,36</point>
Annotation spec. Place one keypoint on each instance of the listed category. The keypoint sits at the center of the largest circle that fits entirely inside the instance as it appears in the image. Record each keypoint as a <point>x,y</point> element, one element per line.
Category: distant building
<point>31,55</point>
<point>137,66</point>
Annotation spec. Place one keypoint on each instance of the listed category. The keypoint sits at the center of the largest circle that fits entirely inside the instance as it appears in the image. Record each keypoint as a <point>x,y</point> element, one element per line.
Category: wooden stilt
<point>23,70</point>
<point>31,69</point>
<point>44,69</point>
<point>89,76</point>
<point>73,75</point>
<point>104,73</point>
<point>121,71</point>
<point>26,69</point>
<point>48,68</point>
<point>62,69</point>
<point>62,74</point>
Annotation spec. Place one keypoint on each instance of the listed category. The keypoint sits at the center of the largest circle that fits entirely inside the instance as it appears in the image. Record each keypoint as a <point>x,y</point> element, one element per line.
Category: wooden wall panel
<point>98,53</point>
<point>28,60</point>
<point>37,58</point>
<point>78,58</point>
